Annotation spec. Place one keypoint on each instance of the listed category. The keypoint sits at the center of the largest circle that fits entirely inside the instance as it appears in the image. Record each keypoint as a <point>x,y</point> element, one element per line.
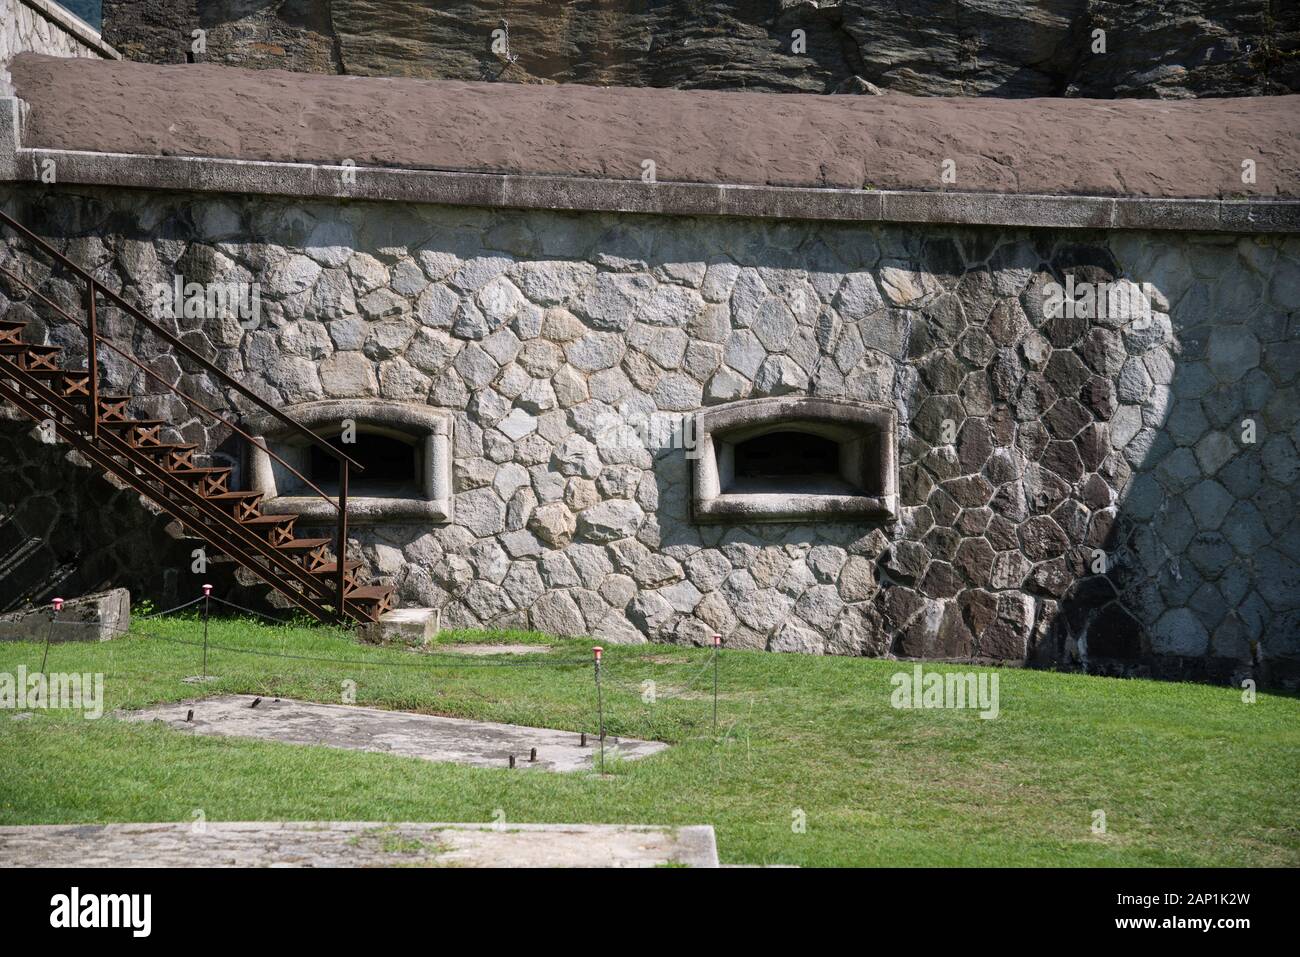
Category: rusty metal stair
<point>305,570</point>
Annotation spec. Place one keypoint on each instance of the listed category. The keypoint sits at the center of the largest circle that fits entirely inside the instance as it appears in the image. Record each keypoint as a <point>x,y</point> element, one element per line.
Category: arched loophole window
<point>793,459</point>
<point>404,450</point>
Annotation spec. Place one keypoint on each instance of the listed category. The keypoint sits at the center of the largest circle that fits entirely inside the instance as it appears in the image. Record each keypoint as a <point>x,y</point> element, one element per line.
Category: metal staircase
<point>70,405</point>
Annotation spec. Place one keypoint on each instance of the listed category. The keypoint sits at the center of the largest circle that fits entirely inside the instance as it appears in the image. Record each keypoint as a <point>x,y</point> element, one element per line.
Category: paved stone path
<point>355,844</point>
<point>480,743</point>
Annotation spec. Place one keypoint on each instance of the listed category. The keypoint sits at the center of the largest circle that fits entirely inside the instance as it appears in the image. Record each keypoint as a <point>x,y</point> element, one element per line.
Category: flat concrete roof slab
<point>483,744</point>
<point>355,844</point>
<point>1000,145</point>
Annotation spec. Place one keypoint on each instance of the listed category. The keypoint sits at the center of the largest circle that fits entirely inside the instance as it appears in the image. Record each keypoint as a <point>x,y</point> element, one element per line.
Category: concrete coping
<point>190,174</point>
<point>70,23</point>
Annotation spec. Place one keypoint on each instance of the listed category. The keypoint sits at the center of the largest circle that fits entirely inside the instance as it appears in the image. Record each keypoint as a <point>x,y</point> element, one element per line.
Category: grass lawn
<point>1186,774</point>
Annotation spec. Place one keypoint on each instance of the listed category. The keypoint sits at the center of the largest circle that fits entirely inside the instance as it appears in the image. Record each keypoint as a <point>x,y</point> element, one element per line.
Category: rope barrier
<point>63,623</point>
<point>168,611</point>
<point>672,691</point>
<point>433,661</point>
<point>558,663</point>
<point>251,611</point>
<point>444,660</point>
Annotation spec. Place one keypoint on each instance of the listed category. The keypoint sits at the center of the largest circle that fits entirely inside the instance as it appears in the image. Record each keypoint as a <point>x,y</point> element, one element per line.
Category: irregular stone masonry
<point>1116,493</point>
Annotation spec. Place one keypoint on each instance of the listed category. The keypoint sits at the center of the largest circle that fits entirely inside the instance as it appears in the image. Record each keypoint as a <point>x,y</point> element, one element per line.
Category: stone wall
<point>1100,493</point>
<point>1014,48</point>
<point>41,26</point>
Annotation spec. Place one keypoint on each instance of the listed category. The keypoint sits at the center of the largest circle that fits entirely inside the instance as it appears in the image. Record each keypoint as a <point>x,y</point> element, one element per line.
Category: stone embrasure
<point>862,484</point>
<point>1116,492</point>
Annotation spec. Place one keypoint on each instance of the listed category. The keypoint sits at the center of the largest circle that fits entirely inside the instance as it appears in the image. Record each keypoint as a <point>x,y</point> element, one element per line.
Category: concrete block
<point>98,617</point>
<point>405,626</point>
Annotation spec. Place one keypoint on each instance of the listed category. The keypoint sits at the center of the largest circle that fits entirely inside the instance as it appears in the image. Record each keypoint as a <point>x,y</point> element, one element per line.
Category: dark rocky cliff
<point>1014,48</point>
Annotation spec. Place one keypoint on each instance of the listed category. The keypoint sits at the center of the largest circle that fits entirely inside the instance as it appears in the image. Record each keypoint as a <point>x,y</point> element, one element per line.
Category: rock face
<point>155,31</point>
<point>1012,48</point>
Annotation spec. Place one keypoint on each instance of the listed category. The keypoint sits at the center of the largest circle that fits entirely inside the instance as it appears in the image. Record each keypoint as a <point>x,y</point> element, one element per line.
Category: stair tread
<point>268,519</point>
<point>233,495</point>
<point>331,567</point>
<point>368,592</point>
<point>305,544</point>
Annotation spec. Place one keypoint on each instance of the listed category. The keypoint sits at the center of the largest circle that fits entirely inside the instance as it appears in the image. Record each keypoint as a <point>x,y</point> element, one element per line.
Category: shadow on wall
<point>1141,460</point>
<point>66,531</point>
<point>1200,578</point>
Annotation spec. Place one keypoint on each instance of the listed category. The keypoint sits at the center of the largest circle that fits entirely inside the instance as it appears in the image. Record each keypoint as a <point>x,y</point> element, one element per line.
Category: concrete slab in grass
<point>484,744</point>
<point>472,649</point>
<point>355,844</point>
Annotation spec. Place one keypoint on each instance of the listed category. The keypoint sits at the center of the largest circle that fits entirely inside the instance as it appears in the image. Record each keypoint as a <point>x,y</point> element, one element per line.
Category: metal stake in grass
<point>207,601</point>
<point>717,643</point>
<point>600,706</point>
<point>49,633</point>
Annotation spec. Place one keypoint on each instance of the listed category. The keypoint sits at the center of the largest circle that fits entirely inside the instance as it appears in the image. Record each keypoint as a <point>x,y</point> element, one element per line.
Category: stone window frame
<point>431,428</point>
<point>718,428</point>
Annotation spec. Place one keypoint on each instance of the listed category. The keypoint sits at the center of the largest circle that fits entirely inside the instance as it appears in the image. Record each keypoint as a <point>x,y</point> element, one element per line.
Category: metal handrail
<point>138,314</point>
<point>218,534</point>
<point>33,291</point>
<point>93,340</point>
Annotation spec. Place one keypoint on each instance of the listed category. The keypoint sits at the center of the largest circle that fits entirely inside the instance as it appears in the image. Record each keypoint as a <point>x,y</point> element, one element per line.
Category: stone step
<point>405,626</point>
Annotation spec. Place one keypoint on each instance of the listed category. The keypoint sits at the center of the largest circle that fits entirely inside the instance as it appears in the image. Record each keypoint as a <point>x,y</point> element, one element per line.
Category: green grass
<point>1186,774</point>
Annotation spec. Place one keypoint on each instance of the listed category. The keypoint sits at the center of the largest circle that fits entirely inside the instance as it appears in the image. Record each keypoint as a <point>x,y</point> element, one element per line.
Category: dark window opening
<point>791,462</point>
<point>780,454</point>
<point>390,466</point>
